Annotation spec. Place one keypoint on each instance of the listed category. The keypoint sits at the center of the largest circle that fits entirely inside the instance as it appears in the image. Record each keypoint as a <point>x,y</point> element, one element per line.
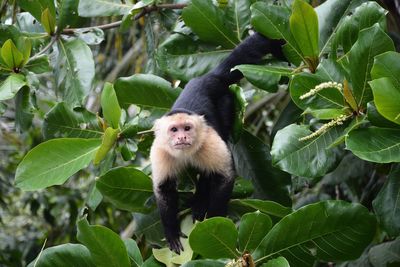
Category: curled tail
<point>250,51</point>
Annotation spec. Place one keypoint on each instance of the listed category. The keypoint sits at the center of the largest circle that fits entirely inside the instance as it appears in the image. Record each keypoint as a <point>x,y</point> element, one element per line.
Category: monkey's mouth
<point>182,145</point>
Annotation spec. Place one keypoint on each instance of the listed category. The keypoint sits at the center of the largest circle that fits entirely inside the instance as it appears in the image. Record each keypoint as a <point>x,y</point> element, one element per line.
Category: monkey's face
<point>181,133</point>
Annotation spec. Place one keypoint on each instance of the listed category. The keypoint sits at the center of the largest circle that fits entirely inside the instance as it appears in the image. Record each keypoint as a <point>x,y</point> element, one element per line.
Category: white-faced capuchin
<point>195,133</point>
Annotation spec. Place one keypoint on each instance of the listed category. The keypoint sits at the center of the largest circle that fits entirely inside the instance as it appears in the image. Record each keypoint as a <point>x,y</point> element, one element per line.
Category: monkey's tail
<point>250,51</point>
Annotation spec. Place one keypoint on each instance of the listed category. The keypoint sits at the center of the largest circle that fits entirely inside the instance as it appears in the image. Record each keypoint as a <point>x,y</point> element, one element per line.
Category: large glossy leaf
<point>387,205</point>
<point>253,161</point>
<point>77,255</point>
<point>145,90</point>
<point>329,231</point>
<point>54,161</point>
<point>101,8</point>
<point>133,252</point>
<point>304,27</point>
<point>238,12</point>
<point>149,225</point>
<point>329,14</point>
<point>187,66</point>
<point>74,71</point>
<point>110,106</point>
<point>207,21</point>
<point>214,238</point>
<point>204,263</point>
<point>385,254</point>
<point>375,144</point>
<point>12,57</point>
<point>252,229</point>
<point>387,65</point>
<point>10,86</point>
<point>371,42</point>
<point>377,119</point>
<point>273,22</point>
<point>309,158</point>
<point>105,246</point>
<point>277,262</point>
<point>264,77</point>
<point>127,188</point>
<point>265,206</point>
<point>38,64</point>
<point>364,16</point>
<point>329,98</point>
<point>37,7</point>
<point>386,98</point>
<point>62,121</point>
<point>68,14</point>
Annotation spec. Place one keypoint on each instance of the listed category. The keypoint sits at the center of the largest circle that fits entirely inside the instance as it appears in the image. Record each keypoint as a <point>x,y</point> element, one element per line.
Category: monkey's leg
<point>167,202</point>
<point>220,192</point>
<point>201,197</point>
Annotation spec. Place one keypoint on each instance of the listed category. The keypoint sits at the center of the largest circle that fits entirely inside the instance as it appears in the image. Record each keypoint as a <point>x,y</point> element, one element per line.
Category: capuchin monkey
<point>195,133</point>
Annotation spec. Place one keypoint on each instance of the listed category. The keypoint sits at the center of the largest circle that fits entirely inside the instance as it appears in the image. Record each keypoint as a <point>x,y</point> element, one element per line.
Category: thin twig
<point>47,47</point>
<point>149,9</point>
<point>86,29</point>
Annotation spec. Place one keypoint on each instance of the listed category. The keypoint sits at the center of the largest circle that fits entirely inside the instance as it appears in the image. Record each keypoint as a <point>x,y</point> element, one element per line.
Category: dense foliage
<point>316,144</point>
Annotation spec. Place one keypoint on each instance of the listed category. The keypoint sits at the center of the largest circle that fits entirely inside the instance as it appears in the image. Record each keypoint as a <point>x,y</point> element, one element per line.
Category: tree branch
<point>149,9</point>
<point>102,27</point>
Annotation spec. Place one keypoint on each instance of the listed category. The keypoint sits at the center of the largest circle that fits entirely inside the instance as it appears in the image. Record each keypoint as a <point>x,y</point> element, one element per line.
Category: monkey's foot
<point>175,245</point>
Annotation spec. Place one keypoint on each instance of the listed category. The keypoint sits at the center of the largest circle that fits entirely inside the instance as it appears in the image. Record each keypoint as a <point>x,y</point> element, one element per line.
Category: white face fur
<point>180,134</point>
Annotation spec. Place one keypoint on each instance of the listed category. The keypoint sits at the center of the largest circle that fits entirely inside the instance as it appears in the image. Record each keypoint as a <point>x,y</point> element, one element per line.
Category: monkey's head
<point>180,133</point>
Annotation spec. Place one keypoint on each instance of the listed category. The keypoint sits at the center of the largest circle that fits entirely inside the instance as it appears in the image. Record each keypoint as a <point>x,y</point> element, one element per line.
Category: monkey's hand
<point>174,243</point>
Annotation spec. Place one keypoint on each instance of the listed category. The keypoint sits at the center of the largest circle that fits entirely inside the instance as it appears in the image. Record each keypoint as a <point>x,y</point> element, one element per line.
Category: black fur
<point>209,95</point>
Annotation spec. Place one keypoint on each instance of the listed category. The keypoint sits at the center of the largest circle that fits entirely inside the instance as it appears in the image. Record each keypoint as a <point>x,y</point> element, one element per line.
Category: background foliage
<point>318,176</point>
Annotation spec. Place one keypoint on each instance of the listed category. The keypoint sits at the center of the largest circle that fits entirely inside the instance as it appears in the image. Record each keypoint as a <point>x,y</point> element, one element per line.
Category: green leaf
<point>54,161</point>
<point>264,77</point>
<point>187,66</point>
<point>385,254</point>
<point>24,45</point>
<point>240,109</point>
<point>364,16</point>
<point>11,86</point>
<point>238,12</point>
<point>253,161</point>
<point>170,258</point>
<point>328,98</point>
<point>325,114</point>
<point>273,22</point>
<point>105,246</point>
<point>12,57</point>
<point>110,106</point>
<point>133,252</point>
<point>38,64</point>
<point>48,21</point>
<point>329,231</point>
<point>371,42</point>
<point>37,7</point>
<point>24,108</point>
<point>329,14</point>
<point>304,27</point>
<point>386,204</point>
<point>387,65</point>
<point>149,226</point>
<point>277,262</point>
<point>77,255</point>
<point>127,188</point>
<point>61,121</point>
<point>214,238</point>
<point>207,21</point>
<point>252,229</point>
<point>108,141</point>
<point>74,71</point>
<point>265,206</point>
<point>68,14</point>
<point>386,98</point>
<point>377,119</point>
<point>101,8</point>
<point>375,144</point>
<point>145,90</point>
<point>309,158</point>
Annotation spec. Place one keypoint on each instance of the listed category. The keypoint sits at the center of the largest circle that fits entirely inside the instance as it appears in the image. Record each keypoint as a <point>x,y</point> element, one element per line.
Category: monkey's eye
<point>187,128</point>
<point>174,129</point>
